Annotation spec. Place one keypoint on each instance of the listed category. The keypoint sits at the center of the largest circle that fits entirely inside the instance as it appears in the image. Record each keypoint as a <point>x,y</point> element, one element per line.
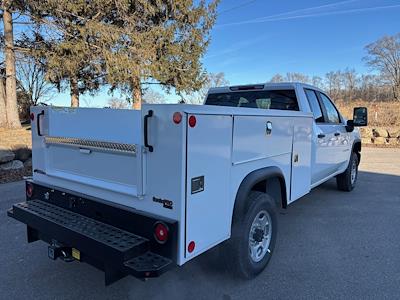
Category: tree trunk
<point>3,114</point>
<point>11,84</point>
<point>136,93</point>
<point>74,92</point>
<point>396,92</point>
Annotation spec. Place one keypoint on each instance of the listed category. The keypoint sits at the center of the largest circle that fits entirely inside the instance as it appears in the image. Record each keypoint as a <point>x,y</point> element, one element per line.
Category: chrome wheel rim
<point>353,173</point>
<point>260,236</point>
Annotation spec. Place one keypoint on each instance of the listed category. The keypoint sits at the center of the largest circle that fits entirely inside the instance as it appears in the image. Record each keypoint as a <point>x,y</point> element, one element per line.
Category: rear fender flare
<point>249,182</point>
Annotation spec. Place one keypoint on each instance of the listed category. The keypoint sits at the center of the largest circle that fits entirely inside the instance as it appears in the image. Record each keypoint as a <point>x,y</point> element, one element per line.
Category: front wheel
<point>347,180</point>
<point>253,237</point>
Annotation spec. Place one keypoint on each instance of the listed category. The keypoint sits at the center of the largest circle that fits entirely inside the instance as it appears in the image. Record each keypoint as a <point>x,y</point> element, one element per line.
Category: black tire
<point>344,181</point>
<point>236,250</point>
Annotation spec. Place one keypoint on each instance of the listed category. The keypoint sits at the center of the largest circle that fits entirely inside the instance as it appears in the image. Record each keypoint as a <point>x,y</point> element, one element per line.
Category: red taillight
<point>192,121</point>
<point>161,232</point>
<point>191,246</point>
<point>32,116</point>
<point>177,117</point>
<point>29,190</point>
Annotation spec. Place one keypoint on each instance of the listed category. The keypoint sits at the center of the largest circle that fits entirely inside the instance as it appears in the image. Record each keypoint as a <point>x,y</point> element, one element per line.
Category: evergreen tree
<point>125,43</point>
<point>62,42</point>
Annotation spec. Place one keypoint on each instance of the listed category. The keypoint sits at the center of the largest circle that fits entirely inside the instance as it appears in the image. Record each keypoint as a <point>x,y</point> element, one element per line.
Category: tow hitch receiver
<point>53,252</point>
<point>115,251</point>
<point>56,250</point>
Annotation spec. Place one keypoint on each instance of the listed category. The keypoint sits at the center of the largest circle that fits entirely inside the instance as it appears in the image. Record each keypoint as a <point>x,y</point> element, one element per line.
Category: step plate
<point>148,264</point>
<point>111,236</point>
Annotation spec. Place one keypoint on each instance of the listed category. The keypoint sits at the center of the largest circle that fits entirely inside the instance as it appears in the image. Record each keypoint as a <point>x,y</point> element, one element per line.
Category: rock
<point>366,132</point>
<point>394,133</point>
<point>380,132</point>
<point>366,140</point>
<point>393,141</point>
<point>379,140</point>
<point>22,152</point>
<point>12,165</point>
<point>28,163</point>
<point>6,155</point>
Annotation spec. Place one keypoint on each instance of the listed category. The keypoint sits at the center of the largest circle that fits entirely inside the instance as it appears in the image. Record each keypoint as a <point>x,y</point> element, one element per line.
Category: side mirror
<point>360,116</point>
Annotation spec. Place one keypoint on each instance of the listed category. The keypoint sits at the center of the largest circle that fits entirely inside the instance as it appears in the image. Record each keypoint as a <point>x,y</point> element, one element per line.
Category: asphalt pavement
<point>331,244</point>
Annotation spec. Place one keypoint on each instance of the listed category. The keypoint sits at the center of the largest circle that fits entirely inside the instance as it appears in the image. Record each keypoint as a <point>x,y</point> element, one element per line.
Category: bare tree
<point>277,78</point>
<point>384,56</point>
<point>330,78</point>
<point>212,80</point>
<point>32,87</point>
<point>11,83</point>
<point>118,103</point>
<point>297,77</point>
<point>291,77</point>
<point>367,87</point>
<point>31,80</point>
<point>317,81</point>
<point>334,83</point>
<point>350,82</point>
<point>150,96</point>
<point>87,101</point>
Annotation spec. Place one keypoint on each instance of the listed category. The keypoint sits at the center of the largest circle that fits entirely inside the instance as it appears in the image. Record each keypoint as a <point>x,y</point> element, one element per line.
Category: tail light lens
<point>177,117</point>
<point>161,232</point>
<point>192,121</point>
<point>191,246</point>
<point>29,190</point>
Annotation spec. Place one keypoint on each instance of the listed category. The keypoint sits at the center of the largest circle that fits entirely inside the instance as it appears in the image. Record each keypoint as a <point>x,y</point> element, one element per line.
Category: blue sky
<point>253,40</point>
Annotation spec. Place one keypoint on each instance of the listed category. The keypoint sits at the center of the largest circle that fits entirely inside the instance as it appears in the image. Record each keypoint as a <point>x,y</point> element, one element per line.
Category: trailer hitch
<point>57,250</point>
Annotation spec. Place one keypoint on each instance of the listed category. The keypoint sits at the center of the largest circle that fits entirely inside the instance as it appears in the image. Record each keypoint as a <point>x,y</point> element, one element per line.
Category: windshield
<point>273,99</point>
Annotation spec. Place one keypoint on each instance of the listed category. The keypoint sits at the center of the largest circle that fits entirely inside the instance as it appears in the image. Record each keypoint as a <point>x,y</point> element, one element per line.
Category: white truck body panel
<point>208,155</point>
<point>225,145</point>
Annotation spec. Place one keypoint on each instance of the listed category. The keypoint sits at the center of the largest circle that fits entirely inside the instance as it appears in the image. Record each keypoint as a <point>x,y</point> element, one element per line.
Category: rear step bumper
<point>116,251</point>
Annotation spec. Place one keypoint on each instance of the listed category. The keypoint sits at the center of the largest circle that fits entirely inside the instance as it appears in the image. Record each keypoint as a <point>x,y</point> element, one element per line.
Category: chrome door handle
<point>268,128</point>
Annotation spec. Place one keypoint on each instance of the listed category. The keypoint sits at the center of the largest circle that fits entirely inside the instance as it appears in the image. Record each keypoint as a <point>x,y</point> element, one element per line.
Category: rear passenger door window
<point>315,106</point>
<point>331,114</point>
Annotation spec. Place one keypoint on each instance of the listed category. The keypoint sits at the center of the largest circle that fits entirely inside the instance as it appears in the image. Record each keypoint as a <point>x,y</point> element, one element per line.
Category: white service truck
<point>137,192</point>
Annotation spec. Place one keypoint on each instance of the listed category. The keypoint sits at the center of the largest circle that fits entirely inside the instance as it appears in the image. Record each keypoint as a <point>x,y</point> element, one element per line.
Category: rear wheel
<point>253,237</point>
<point>347,180</point>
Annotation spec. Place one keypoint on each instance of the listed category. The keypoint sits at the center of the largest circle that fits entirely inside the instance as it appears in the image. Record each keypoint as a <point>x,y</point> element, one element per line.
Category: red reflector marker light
<point>192,121</point>
<point>191,246</point>
<point>32,116</point>
<point>177,117</point>
<point>29,190</point>
<point>161,232</point>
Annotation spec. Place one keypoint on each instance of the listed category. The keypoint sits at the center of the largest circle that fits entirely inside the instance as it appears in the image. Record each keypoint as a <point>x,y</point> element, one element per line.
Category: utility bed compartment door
<point>257,138</point>
<point>207,182</point>
<point>99,148</point>
<point>260,137</point>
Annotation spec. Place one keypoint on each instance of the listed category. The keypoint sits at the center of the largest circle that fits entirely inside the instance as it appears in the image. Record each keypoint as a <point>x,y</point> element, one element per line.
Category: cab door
<point>323,158</point>
<point>341,138</point>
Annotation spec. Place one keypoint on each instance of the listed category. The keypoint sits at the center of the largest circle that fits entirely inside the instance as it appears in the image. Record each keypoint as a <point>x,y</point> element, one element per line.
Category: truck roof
<point>262,86</point>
